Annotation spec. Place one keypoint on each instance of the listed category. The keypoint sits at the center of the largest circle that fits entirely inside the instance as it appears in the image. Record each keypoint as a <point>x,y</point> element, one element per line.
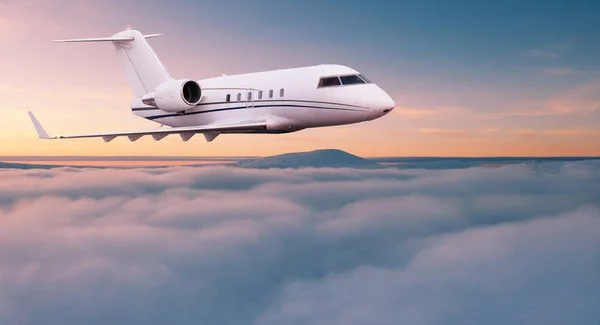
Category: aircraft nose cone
<point>384,104</point>
<point>387,103</point>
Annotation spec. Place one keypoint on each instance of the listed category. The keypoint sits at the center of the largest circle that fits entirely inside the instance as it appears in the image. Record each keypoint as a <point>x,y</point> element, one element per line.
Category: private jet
<point>269,102</point>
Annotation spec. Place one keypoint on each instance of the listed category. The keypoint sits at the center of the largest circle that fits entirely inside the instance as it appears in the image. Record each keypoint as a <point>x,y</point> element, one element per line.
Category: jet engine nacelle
<point>174,95</point>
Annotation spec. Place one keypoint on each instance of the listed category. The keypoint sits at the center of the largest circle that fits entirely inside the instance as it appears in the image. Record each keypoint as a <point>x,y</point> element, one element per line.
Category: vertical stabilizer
<point>142,66</point>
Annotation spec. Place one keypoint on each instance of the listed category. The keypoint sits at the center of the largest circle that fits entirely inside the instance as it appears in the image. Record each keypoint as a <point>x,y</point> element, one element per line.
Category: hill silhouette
<point>332,158</point>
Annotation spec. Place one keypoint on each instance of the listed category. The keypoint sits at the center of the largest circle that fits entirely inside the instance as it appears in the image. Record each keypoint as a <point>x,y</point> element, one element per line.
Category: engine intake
<point>174,95</point>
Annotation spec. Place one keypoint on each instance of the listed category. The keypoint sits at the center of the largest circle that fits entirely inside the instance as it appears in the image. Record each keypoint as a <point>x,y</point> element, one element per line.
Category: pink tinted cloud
<point>445,132</point>
<point>498,260</point>
<point>583,99</point>
<point>439,112</point>
<point>559,132</point>
<point>113,241</point>
<point>410,212</point>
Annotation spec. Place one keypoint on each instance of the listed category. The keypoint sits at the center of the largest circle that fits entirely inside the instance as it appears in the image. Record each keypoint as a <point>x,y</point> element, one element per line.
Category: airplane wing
<point>210,131</point>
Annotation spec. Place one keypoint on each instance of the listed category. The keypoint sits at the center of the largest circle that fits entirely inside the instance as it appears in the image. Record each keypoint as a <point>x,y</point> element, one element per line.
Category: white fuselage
<point>288,99</point>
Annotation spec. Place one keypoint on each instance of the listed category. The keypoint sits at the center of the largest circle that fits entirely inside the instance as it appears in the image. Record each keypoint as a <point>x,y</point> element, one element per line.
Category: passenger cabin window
<point>260,94</point>
<point>249,95</point>
<point>271,93</point>
<point>239,97</point>
<point>228,98</point>
<point>281,92</point>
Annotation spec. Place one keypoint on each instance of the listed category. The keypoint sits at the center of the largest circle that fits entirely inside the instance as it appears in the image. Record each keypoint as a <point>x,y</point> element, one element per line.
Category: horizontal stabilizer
<point>185,132</point>
<point>106,39</point>
<point>152,36</point>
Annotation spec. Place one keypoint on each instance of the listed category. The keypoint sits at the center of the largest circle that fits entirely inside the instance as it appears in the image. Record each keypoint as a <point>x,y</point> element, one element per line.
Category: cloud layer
<point>219,245</point>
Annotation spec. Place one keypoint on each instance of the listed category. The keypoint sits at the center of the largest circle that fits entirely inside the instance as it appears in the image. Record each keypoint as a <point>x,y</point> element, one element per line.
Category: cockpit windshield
<point>343,80</point>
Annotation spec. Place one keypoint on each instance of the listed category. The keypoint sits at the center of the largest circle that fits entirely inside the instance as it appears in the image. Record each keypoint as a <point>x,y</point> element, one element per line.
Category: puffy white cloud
<point>221,245</point>
<point>542,271</point>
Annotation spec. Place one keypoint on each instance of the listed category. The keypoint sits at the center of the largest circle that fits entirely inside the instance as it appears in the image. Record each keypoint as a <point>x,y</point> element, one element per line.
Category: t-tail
<point>151,82</point>
<point>144,69</point>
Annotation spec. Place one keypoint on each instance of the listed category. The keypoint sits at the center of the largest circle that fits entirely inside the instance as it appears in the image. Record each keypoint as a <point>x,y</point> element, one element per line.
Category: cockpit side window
<point>329,82</point>
<point>351,80</point>
<point>362,76</point>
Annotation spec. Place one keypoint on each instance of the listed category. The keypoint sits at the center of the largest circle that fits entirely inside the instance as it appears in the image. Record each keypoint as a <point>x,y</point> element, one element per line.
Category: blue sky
<point>495,43</point>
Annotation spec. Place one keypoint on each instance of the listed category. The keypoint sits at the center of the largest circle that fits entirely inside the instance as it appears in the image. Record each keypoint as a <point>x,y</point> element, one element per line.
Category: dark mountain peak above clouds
<point>333,158</point>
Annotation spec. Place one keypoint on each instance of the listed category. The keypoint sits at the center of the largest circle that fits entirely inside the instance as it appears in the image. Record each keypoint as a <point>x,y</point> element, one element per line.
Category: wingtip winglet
<point>42,134</point>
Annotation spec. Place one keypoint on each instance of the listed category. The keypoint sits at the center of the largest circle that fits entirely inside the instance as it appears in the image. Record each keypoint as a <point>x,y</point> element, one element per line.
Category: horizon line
<point>200,158</point>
